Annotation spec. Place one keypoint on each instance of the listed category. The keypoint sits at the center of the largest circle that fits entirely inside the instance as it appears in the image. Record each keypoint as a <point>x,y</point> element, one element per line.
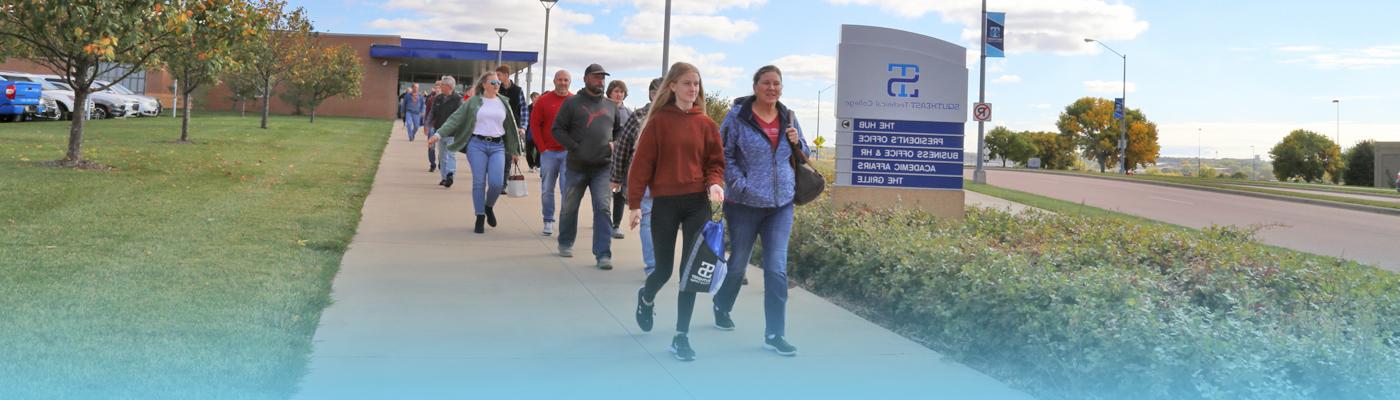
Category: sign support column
<point>980,175</point>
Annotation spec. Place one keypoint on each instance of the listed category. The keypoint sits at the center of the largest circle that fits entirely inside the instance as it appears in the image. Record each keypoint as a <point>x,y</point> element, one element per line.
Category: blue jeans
<point>487,160</point>
<point>648,251</point>
<point>774,227</point>
<point>598,184</point>
<point>447,161</point>
<point>552,174</point>
<point>411,122</point>
<point>432,150</point>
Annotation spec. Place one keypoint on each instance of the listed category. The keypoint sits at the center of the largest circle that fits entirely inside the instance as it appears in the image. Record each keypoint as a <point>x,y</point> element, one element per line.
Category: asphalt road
<point>1372,197</point>
<point>1365,237</point>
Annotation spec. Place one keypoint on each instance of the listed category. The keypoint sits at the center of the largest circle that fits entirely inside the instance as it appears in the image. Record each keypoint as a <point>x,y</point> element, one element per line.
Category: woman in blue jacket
<point>759,135</point>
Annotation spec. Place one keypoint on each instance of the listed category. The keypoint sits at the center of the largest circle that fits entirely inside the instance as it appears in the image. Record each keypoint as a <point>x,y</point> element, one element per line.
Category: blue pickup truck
<point>20,99</point>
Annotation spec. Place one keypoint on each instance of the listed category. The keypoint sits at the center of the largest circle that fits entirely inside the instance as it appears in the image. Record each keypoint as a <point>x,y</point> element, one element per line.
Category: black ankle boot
<point>480,220</point>
<point>448,182</point>
<point>490,217</point>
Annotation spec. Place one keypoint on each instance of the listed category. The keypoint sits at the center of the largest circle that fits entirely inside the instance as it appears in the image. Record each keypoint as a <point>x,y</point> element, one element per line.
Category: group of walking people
<point>667,161</point>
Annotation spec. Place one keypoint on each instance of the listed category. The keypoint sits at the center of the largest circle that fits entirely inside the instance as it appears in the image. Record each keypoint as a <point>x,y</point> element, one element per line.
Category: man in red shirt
<point>552,154</point>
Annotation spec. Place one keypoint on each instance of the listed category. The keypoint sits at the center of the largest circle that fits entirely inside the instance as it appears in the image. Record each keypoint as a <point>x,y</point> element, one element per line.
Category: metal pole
<point>500,42</point>
<point>980,175</point>
<point>666,43</point>
<point>1339,121</point>
<point>544,65</point>
<point>1123,135</point>
<point>1198,152</point>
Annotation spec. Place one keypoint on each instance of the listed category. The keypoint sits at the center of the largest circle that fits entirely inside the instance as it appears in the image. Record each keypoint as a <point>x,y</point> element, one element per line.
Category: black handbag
<point>809,182</point>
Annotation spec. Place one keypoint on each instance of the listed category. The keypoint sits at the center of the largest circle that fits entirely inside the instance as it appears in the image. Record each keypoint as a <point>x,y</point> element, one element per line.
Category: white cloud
<point>1057,26</point>
<point>1008,79</point>
<point>1353,59</point>
<point>651,26</point>
<point>705,7</point>
<point>808,66</point>
<point>1300,49</point>
<point>1109,87</point>
<point>571,45</point>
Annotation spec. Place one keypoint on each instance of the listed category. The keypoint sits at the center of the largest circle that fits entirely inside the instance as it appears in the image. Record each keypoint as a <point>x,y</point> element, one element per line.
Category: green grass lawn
<point>190,271</point>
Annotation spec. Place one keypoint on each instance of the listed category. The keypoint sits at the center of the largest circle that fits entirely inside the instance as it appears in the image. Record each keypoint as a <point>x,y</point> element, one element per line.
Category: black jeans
<point>619,205</point>
<point>532,155</point>
<point>688,214</point>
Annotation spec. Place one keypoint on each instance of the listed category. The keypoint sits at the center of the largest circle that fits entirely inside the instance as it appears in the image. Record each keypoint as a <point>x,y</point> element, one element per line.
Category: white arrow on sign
<point>982,112</point>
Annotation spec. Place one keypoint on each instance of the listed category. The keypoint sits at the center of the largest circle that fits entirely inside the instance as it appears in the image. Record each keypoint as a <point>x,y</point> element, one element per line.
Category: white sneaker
<point>548,229</point>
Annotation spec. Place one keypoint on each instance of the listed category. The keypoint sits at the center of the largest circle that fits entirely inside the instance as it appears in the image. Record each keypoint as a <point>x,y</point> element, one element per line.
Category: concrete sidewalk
<point>425,309</point>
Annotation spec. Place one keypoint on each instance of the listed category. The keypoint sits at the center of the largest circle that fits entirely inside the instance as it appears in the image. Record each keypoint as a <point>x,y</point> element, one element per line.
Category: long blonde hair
<point>480,87</point>
<point>665,97</point>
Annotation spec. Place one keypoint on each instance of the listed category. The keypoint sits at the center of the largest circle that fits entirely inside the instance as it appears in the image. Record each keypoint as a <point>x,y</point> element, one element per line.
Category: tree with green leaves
<point>716,107</point>
<point>1307,156</point>
<point>270,57</point>
<point>221,33</point>
<point>1056,151</point>
<point>325,72</point>
<point>1007,145</point>
<point>243,85</point>
<point>1361,164</point>
<point>83,39</point>
<point>1089,121</point>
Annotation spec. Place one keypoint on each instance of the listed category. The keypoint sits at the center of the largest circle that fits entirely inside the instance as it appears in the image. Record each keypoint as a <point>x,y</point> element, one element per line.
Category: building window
<point>136,82</point>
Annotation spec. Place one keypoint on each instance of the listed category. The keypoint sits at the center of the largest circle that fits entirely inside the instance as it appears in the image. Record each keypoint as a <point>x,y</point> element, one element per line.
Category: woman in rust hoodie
<point>680,157</point>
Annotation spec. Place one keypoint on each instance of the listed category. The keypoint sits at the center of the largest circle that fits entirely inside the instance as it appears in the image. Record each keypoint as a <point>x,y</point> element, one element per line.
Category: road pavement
<point>1362,236</point>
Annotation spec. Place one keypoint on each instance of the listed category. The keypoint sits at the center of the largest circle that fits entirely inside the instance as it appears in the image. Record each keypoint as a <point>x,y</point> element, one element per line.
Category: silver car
<point>106,104</point>
<point>150,106</point>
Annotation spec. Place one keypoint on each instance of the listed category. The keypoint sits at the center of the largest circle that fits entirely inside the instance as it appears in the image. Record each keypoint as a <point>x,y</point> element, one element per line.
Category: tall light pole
<point>501,40</point>
<point>1338,102</point>
<point>1253,164</point>
<point>979,175</point>
<point>1198,151</point>
<point>544,66</point>
<point>1123,135</point>
<point>819,108</point>
<point>666,43</point>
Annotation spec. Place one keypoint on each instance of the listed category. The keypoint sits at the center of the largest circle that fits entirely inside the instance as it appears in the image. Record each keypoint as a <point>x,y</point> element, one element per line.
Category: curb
<point>1325,203</point>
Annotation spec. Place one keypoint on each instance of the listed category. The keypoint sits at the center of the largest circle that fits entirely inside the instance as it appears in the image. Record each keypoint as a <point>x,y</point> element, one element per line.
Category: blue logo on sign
<point>908,74</point>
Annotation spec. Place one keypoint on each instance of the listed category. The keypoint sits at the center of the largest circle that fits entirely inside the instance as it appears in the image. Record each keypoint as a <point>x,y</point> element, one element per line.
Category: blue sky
<point>1241,73</point>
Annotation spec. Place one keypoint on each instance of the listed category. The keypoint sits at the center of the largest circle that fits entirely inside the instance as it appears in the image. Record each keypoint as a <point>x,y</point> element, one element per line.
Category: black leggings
<point>688,214</point>
<point>619,201</point>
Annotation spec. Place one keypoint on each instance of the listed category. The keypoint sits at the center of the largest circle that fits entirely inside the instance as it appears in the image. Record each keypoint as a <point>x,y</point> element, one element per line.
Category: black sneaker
<point>680,347</point>
<point>723,322</point>
<point>448,182</point>
<point>432,168</point>
<point>645,315</point>
<point>779,345</point>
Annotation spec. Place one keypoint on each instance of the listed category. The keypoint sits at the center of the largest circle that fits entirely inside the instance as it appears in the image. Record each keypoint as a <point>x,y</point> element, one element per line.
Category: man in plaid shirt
<point>626,144</point>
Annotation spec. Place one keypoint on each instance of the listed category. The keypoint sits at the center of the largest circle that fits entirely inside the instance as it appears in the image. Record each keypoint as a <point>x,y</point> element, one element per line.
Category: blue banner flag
<point>996,34</point>
<point>1118,108</point>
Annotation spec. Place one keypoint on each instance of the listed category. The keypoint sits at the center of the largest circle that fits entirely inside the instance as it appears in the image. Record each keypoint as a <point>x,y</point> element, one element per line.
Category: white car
<point>59,98</point>
<point>106,104</point>
<point>150,106</point>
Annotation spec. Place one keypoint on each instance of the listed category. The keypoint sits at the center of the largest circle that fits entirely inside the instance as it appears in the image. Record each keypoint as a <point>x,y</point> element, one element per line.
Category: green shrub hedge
<point>1069,307</point>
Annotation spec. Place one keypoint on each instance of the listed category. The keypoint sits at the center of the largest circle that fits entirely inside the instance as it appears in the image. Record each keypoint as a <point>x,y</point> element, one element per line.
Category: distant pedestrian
<point>759,136</point>
<point>617,92</point>
<point>486,127</point>
<point>514,96</point>
<point>585,127</point>
<point>412,111</point>
<point>552,154</point>
<point>681,159</point>
<point>444,105</point>
<point>428,124</point>
<point>623,149</point>
<point>532,153</point>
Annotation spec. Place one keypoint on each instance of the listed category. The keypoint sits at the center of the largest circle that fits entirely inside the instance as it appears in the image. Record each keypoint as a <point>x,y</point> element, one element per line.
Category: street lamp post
<point>1123,134</point>
<point>666,43</point>
<point>1253,164</point>
<point>1198,152</point>
<point>501,40</point>
<point>979,175</point>
<point>544,65</point>
<point>1338,102</point>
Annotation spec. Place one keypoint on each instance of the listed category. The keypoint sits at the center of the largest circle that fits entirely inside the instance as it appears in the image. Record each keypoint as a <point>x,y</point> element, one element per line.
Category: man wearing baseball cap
<point>586,126</point>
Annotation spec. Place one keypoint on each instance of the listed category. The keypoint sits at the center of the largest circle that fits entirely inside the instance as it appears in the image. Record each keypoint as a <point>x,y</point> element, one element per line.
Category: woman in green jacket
<point>485,126</point>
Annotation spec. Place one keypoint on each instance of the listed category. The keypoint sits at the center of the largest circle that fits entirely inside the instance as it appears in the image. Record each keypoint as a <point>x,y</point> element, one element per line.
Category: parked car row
<point>33,96</point>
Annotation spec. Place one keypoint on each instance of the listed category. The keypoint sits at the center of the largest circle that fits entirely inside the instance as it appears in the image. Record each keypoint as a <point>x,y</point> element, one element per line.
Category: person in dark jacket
<point>759,134</point>
<point>617,92</point>
<point>623,149</point>
<point>515,97</point>
<point>428,123</point>
<point>443,106</point>
<point>586,126</point>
